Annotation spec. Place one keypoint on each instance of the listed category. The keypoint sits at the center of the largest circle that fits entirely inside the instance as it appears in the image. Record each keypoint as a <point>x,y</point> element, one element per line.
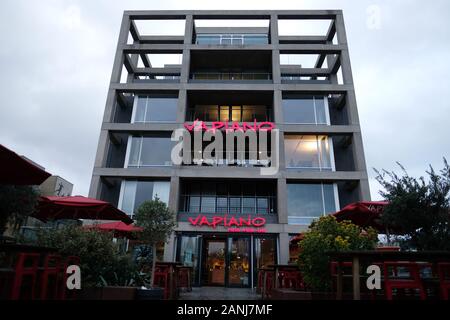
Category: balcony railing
<point>231,76</point>
<point>232,39</point>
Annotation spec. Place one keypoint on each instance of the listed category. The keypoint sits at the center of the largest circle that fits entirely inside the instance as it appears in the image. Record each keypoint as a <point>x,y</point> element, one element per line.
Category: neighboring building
<point>53,186</point>
<point>56,186</point>
<point>232,73</point>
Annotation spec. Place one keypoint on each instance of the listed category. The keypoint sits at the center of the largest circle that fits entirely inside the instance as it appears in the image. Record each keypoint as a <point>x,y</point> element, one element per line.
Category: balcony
<point>231,39</point>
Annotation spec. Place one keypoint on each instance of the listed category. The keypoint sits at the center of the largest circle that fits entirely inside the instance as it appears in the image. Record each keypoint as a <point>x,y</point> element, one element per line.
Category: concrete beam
<point>311,48</point>
<point>161,39</point>
<point>303,39</point>
<point>291,70</point>
<point>231,14</point>
<point>152,48</point>
<point>157,71</point>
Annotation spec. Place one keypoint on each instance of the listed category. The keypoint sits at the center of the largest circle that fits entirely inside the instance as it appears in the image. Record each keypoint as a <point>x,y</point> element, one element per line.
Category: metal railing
<point>232,76</point>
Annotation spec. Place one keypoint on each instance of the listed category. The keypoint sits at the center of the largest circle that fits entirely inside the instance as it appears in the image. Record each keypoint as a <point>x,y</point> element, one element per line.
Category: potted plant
<point>105,272</point>
<point>157,223</point>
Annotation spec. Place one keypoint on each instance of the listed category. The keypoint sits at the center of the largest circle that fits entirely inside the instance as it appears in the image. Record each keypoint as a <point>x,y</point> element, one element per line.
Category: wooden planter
<point>108,293</point>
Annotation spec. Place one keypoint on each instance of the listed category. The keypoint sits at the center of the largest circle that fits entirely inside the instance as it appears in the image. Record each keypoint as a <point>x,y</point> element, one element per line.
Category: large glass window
<point>134,193</point>
<point>308,201</point>
<point>232,198</point>
<point>308,152</point>
<point>189,254</point>
<point>150,151</point>
<point>305,109</point>
<point>155,109</point>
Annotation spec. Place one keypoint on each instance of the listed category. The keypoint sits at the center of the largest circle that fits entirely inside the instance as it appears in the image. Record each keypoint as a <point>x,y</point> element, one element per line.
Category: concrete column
<point>182,106</point>
<point>276,72</point>
<point>123,38</point>
<point>95,187</point>
<point>277,106</point>
<point>189,29</point>
<point>283,248</point>
<point>282,201</point>
<point>102,149</point>
<point>174,192</point>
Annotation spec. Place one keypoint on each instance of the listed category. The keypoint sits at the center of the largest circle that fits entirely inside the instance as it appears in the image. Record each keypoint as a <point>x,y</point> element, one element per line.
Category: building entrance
<point>226,261</point>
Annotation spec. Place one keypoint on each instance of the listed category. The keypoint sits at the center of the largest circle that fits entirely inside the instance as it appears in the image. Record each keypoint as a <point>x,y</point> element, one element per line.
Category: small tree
<point>325,235</point>
<point>16,204</point>
<point>420,209</point>
<point>157,222</point>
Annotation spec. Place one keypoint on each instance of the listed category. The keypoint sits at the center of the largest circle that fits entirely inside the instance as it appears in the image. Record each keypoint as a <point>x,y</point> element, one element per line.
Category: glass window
<point>224,113</point>
<point>150,151</point>
<point>189,254</point>
<point>248,205</point>
<point>306,109</point>
<point>319,104</point>
<point>263,205</point>
<point>194,204</point>
<point>209,204</point>
<point>155,109</point>
<point>208,39</point>
<point>235,205</point>
<point>307,152</point>
<point>236,113</point>
<point>255,39</point>
<point>134,193</point>
<point>307,202</point>
<point>222,205</point>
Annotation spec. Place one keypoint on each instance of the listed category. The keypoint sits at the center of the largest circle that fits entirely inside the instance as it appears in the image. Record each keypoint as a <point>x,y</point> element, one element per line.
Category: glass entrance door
<point>215,264</point>
<point>239,262</point>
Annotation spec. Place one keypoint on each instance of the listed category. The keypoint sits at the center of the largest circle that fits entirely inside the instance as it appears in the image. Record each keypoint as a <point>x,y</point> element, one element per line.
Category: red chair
<point>161,279</point>
<point>26,268</point>
<point>444,278</point>
<point>259,284</point>
<point>63,291</point>
<point>291,279</point>
<point>184,278</point>
<point>393,281</point>
<point>49,277</point>
<point>346,269</point>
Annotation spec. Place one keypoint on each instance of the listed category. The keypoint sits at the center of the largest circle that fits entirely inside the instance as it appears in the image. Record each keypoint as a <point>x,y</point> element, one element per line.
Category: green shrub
<point>325,235</point>
<point>101,262</point>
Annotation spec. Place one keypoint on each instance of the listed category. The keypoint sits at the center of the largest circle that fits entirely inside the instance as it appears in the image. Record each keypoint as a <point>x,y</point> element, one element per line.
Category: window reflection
<point>305,109</point>
<point>150,151</point>
<point>307,152</point>
<point>309,201</point>
<point>155,109</point>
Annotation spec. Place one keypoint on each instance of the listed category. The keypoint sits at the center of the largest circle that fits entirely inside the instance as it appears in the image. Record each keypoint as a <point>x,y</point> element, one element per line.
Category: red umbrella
<point>120,229</point>
<point>17,170</point>
<point>78,207</point>
<point>363,214</point>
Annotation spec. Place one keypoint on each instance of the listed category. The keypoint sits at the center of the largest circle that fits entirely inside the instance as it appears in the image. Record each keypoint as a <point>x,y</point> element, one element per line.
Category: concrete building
<point>232,219</point>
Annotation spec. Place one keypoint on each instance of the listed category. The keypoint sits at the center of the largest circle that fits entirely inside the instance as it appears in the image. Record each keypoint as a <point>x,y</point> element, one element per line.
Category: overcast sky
<point>56,59</point>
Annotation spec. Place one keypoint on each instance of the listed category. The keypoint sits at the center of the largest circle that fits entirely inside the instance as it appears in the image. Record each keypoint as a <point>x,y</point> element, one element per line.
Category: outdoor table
<point>379,256</point>
<point>277,267</point>
<point>172,276</point>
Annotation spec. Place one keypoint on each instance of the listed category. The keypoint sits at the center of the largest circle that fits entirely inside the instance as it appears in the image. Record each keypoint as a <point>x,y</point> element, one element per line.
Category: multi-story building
<point>231,218</point>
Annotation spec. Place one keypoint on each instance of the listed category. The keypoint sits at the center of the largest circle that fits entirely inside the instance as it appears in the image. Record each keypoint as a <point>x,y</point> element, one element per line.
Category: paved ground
<point>219,293</point>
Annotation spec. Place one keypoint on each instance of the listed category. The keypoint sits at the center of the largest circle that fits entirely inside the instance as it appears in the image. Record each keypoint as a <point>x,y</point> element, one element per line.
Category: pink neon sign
<point>241,224</point>
<point>234,126</point>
